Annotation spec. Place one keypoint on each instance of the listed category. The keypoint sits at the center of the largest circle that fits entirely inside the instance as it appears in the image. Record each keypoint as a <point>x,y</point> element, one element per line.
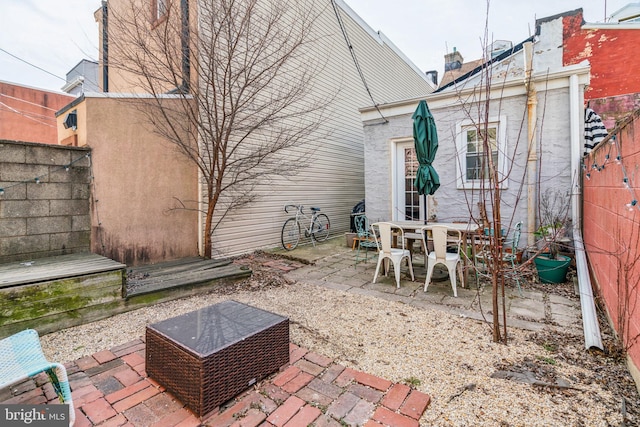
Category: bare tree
<point>485,201</point>
<point>241,76</point>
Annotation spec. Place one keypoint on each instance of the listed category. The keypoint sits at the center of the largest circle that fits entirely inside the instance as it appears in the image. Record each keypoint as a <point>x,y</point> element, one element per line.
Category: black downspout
<point>186,65</point>
<point>105,47</point>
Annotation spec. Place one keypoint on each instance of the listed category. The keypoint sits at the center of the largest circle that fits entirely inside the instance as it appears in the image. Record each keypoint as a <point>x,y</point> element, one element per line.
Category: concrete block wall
<point>49,215</point>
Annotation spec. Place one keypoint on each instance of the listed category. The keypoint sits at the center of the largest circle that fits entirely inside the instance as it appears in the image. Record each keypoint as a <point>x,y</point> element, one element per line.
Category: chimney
<point>433,76</point>
<point>453,61</point>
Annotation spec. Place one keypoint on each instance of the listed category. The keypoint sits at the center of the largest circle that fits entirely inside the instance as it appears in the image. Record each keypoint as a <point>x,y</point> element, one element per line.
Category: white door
<point>408,205</point>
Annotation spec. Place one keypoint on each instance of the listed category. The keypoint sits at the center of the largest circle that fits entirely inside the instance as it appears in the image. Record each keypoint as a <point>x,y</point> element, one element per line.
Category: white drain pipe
<point>589,317</point>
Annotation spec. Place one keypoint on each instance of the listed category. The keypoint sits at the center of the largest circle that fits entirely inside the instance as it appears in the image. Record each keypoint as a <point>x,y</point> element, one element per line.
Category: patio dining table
<point>468,230</point>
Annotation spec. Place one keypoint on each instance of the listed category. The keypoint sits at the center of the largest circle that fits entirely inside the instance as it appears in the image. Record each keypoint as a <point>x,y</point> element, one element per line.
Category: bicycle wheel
<point>290,234</point>
<point>320,228</point>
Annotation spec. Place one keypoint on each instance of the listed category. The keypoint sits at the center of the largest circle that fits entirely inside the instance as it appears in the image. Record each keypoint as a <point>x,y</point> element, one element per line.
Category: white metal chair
<point>384,238</point>
<point>443,237</point>
<point>21,357</point>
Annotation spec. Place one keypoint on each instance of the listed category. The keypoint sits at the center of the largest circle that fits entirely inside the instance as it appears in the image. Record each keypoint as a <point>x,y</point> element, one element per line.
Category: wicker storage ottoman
<point>211,355</point>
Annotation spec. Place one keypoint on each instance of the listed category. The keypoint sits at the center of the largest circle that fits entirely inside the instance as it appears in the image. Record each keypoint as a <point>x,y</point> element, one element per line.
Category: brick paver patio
<point>110,388</point>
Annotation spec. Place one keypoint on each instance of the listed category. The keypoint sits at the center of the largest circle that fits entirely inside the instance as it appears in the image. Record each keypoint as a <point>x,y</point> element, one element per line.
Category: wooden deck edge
<point>58,321</point>
<point>222,273</point>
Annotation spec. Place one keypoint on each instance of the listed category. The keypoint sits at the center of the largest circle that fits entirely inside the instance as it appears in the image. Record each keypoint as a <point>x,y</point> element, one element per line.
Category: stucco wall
<point>612,232</point>
<point>138,179</point>
<point>49,216</point>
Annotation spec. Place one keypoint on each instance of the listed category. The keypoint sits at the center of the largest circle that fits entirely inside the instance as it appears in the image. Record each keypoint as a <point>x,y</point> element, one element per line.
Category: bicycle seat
<point>315,209</point>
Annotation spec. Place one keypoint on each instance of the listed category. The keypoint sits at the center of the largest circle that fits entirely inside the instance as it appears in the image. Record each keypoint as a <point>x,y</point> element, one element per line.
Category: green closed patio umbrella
<point>425,139</point>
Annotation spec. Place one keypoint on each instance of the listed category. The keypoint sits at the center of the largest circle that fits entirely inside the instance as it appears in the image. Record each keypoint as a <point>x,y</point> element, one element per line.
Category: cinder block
<point>24,245</point>
<point>12,153</point>
<point>81,223</point>
<point>48,191</point>
<point>80,191</point>
<point>47,155</point>
<point>76,240</point>
<point>12,190</point>
<point>13,227</point>
<point>18,172</point>
<point>69,207</point>
<point>24,208</point>
<point>48,225</point>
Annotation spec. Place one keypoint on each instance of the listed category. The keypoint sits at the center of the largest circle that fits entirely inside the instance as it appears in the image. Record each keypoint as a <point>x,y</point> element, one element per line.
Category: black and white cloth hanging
<point>594,130</point>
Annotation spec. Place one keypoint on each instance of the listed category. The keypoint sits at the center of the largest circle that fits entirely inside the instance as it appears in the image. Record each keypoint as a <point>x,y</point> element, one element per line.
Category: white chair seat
<point>441,236</point>
<point>396,255</point>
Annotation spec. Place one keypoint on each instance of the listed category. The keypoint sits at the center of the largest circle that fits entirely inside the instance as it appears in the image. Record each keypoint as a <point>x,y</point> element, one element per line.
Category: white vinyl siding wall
<point>334,180</point>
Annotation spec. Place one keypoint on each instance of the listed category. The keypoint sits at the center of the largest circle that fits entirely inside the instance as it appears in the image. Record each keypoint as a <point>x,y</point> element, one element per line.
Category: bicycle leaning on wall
<point>318,228</point>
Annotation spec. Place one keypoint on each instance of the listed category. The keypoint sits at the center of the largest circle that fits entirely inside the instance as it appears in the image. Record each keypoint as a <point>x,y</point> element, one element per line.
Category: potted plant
<point>554,224</point>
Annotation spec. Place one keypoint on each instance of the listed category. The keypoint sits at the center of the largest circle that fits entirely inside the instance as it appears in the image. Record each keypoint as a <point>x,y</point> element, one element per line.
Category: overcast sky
<point>55,35</point>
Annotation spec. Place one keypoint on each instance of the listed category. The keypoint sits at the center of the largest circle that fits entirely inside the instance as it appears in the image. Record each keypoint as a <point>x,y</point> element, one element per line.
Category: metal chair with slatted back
<point>21,357</point>
<point>512,257</point>
<point>485,256</point>
<point>364,238</point>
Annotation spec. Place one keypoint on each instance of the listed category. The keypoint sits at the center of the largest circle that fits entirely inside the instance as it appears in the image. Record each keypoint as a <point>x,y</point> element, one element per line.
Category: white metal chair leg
<point>427,281</point>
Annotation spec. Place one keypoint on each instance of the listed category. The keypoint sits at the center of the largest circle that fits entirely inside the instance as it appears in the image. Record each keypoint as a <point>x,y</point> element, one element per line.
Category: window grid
<point>411,196</point>
<point>477,167</point>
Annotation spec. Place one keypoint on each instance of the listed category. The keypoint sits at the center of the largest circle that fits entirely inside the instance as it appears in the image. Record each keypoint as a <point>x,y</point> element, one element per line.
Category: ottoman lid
<point>213,328</point>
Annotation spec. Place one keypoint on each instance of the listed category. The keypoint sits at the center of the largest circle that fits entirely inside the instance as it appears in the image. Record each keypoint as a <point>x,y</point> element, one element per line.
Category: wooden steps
<point>49,294</point>
<point>185,272</point>
<point>57,267</point>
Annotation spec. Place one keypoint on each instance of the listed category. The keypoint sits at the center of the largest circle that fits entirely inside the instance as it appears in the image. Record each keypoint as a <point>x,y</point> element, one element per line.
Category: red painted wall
<point>611,52</point>
<point>612,231</point>
<point>28,114</point>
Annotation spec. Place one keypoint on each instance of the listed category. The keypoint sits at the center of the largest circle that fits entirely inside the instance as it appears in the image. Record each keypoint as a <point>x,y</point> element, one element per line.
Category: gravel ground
<point>471,380</point>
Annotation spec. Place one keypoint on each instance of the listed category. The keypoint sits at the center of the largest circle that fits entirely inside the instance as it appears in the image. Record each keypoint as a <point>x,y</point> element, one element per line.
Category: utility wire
<point>29,63</point>
<point>13,110</point>
<point>28,102</point>
<point>355,59</point>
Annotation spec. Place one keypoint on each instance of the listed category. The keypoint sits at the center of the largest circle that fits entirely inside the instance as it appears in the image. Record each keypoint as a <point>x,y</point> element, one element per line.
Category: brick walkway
<point>110,388</point>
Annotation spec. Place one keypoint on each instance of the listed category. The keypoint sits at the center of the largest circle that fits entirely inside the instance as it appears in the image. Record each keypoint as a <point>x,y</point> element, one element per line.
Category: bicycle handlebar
<point>286,207</point>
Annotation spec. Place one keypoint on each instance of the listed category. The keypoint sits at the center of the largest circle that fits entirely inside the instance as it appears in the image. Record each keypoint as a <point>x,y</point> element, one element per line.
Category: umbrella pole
<point>426,209</point>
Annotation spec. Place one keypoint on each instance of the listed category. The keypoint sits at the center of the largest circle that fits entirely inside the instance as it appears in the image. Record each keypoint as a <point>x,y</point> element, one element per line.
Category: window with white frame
<point>476,144</point>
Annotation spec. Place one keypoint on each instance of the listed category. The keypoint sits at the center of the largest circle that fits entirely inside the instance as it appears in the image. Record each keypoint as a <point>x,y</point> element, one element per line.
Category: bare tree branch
<point>247,111</point>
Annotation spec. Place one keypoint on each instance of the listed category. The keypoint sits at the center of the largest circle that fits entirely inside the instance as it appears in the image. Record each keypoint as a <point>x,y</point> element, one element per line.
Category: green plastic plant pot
<point>552,270</point>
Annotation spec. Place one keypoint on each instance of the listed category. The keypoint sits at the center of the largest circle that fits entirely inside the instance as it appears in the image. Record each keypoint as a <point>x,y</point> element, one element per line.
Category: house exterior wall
<point>334,180</point>
<point>29,113</point>
<point>120,77</point>
<point>612,233</point>
<point>547,120</point>
<point>138,179</point>
<point>48,217</point>
<point>450,203</point>
<point>82,78</point>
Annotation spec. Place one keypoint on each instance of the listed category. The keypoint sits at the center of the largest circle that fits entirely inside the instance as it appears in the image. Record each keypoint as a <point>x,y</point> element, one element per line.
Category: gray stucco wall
<point>48,217</point>
<point>450,203</point>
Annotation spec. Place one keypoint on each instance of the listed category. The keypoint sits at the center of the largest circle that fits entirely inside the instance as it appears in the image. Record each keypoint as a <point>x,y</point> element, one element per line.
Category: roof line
<point>507,53</point>
<point>382,39</point>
